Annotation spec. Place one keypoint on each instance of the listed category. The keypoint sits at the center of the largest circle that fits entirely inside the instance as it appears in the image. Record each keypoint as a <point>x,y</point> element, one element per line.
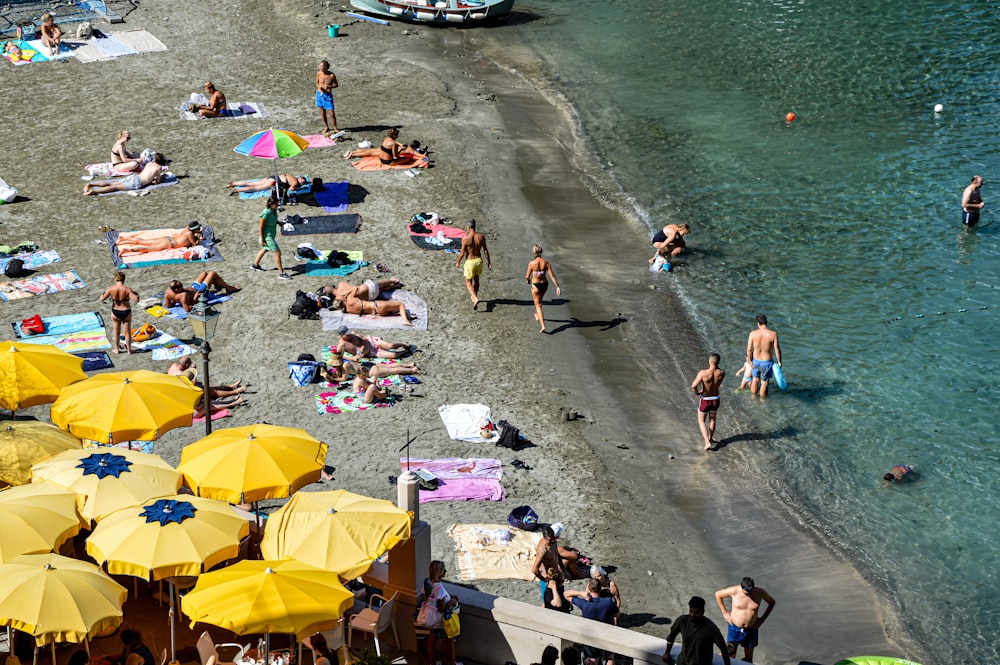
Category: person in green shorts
<point>268,231</point>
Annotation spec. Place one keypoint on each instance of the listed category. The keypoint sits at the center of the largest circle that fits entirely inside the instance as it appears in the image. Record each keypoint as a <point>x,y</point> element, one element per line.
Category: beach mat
<point>461,479</point>
<point>177,311</point>
<point>415,307</point>
<point>30,55</point>
<point>318,141</point>
<point>299,191</point>
<point>494,551</point>
<point>63,324</point>
<point>439,236</point>
<point>32,260</point>
<point>464,421</point>
<point>326,355</point>
<point>163,257</point>
<point>163,347</point>
<point>375,164</point>
<point>333,196</point>
<point>139,446</point>
<point>72,342</point>
<point>95,360</point>
<point>344,223</point>
<point>39,285</point>
<point>344,400</point>
<point>240,110</point>
<point>320,268</point>
<point>169,180</point>
<point>140,41</point>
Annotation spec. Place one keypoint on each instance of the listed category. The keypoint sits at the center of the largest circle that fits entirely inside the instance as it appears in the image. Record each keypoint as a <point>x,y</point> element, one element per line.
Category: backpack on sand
<point>304,307</point>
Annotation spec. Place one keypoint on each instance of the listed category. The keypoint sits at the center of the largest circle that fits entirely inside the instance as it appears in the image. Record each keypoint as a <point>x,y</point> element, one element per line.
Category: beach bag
<point>144,332</point>
<point>304,372</point>
<point>306,252</point>
<point>451,625</point>
<point>429,615</point>
<point>304,307</point>
<point>338,259</point>
<point>32,325</point>
<point>509,435</point>
<point>523,518</point>
<point>14,268</point>
<point>84,30</point>
<point>7,193</point>
<point>425,218</point>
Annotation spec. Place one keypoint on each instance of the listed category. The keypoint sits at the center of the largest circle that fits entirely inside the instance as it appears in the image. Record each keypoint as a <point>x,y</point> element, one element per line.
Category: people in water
<point>900,473</point>
<point>972,202</point>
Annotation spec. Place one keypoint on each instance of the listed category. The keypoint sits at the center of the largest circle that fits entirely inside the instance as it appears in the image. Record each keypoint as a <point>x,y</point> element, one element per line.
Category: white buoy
<point>938,108</point>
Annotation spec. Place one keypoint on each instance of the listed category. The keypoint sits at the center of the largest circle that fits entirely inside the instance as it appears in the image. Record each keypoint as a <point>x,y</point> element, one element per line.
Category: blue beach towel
<point>333,196</point>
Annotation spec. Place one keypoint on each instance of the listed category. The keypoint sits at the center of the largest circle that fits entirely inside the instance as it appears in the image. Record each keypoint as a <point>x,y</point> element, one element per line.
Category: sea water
<point>843,226</point>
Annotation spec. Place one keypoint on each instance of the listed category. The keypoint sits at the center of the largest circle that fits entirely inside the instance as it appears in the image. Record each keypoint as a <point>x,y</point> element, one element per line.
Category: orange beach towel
<point>375,164</point>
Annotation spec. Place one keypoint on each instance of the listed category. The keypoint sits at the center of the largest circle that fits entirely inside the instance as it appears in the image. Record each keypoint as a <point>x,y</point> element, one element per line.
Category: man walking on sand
<point>972,202</point>
<point>326,81</point>
<point>762,353</point>
<point>473,249</point>
<point>698,635</point>
<point>706,385</point>
<point>743,620</point>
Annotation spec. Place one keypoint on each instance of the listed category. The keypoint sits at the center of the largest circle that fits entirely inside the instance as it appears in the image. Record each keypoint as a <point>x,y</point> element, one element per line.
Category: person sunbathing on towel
<point>151,174</point>
<point>369,347</point>
<point>368,389</point>
<point>176,294</point>
<point>293,183</point>
<point>338,369</point>
<point>391,152</point>
<point>216,103</point>
<point>184,366</point>
<point>353,305</point>
<point>121,158</point>
<point>180,238</point>
<point>369,290</point>
<point>51,34</point>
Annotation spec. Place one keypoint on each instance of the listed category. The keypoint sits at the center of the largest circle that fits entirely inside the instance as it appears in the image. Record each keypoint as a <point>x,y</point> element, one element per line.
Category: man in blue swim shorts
<point>762,352</point>
<point>743,620</point>
<point>326,81</point>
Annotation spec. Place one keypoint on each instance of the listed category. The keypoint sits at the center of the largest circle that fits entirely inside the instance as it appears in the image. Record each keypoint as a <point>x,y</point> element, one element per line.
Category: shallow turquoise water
<point>832,225</point>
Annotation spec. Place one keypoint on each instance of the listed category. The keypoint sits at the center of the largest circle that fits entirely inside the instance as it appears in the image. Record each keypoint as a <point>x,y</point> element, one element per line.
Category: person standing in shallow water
<point>706,385</point>
<point>972,202</point>
<point>762,352</point>
<point>538,276</point>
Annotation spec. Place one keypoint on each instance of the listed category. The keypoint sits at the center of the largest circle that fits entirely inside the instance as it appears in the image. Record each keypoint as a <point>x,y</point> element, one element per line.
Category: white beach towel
<point>140,41</point>
<point>481,556</point>
<point>415,306</point>
<point>463,421</point>
<point>261,112</point>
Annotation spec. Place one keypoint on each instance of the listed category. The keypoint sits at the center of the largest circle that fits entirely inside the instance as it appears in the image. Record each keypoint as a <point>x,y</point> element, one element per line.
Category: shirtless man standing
<point>473,249</point>
<point>743,620</point>
<point>972,202</point>
<point>706,385</point>
<point>216,103</point>
<point>326,81</point>
<point>762,352</point>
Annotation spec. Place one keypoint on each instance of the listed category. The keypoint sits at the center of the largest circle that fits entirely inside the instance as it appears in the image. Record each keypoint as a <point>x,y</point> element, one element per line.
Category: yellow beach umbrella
<point>268,597</point>
<point>37,518</point>
<point>126,406</point>
<point>178,535</point>
<point>58,599</point>
<point>109,479</point>
<point>337,531</point>
<point>251,463</point>
<point>25,442</point>
<point>33,374</point>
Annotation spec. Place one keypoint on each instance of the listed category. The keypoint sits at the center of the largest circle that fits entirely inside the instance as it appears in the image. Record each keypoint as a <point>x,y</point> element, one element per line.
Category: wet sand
<point>659,510</point>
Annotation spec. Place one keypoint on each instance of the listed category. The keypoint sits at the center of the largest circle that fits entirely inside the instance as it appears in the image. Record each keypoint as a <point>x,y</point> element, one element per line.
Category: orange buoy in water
<point>789,116</point>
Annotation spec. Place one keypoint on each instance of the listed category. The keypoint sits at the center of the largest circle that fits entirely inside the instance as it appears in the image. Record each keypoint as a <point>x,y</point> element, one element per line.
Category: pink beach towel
<point>216,415</point>
<point>319,141</point>
<point>462,479</point>
<point>126,237</point>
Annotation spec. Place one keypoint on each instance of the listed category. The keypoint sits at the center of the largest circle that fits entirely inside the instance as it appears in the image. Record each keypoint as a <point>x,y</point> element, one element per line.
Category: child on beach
<point>745,375</point>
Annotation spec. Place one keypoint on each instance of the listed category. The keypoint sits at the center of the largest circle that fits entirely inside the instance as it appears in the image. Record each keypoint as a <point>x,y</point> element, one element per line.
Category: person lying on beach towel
<point>391,153</point>
<point>369,290</point>
<point>176,294</point>
<point>290,183</point>
<point>151,174</point>
<point>353,305</point>
<point>338,369</point>
<point>188,237</point>
<point>369,347</point>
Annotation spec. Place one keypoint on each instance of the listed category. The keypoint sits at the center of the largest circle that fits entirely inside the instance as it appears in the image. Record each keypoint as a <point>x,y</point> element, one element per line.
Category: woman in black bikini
<point>121,158</point>
<point>121,310</point>
<point>390,152</point>
<point>538,275</point>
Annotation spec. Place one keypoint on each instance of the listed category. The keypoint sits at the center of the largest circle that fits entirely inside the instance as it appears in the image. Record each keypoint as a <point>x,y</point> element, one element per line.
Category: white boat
<point>437,11</point>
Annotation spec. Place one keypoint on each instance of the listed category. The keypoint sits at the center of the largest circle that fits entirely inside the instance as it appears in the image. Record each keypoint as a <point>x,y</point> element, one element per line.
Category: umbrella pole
<point>267,648</point>
<point>54,653</point>
<point>277,183</point>
<point>34,656</point>
<point>171,615</point>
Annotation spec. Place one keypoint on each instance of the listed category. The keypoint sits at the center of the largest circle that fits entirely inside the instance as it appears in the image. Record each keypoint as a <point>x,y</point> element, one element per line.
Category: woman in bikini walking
<point>538,276</point>
<point>121,310</point>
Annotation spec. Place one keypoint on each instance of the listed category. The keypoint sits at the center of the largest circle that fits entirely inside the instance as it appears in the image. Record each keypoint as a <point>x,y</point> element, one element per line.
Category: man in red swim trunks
<point>706,386</point>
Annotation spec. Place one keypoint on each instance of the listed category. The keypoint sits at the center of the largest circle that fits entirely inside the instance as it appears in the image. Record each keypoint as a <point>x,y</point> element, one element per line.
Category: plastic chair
<point>374,621</point>
<point>209,654</point>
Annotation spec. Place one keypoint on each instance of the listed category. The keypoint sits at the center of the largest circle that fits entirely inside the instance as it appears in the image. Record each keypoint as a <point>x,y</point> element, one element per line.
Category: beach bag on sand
<point>304,307</point>
<point>7,193</point>
<point>14,268</point>
<point>510,436</point>
<point>32,325</point>
<point>84,30</point>
<point>304,372</point>
<point>338,259</point>
<point>524,518</point>
<point>144,332</point>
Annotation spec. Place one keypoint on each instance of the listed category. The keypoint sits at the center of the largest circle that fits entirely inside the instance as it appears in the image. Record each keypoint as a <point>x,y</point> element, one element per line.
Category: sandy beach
<point>628,478</point>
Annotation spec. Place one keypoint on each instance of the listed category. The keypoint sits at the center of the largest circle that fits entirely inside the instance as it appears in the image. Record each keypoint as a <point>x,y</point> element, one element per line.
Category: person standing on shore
<point>762,352</point>
<point>706,385</point>
<point>538,275</point>
<point>473,250</point>
<point>268,231</point>
<point>972,202</point>
<point>743,620</point>
<point>698,635</point>
<point>121,310</point>
<point>326,81</point>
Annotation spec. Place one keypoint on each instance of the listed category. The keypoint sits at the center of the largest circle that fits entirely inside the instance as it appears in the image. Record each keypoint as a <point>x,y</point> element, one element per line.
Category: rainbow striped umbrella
<point>273,144</point>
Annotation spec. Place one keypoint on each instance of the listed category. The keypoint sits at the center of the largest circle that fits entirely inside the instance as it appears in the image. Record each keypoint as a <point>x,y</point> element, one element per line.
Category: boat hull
<point>441,11</point>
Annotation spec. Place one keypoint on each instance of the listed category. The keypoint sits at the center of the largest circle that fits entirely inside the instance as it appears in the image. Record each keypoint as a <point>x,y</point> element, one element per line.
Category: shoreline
<point>497,359</point>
